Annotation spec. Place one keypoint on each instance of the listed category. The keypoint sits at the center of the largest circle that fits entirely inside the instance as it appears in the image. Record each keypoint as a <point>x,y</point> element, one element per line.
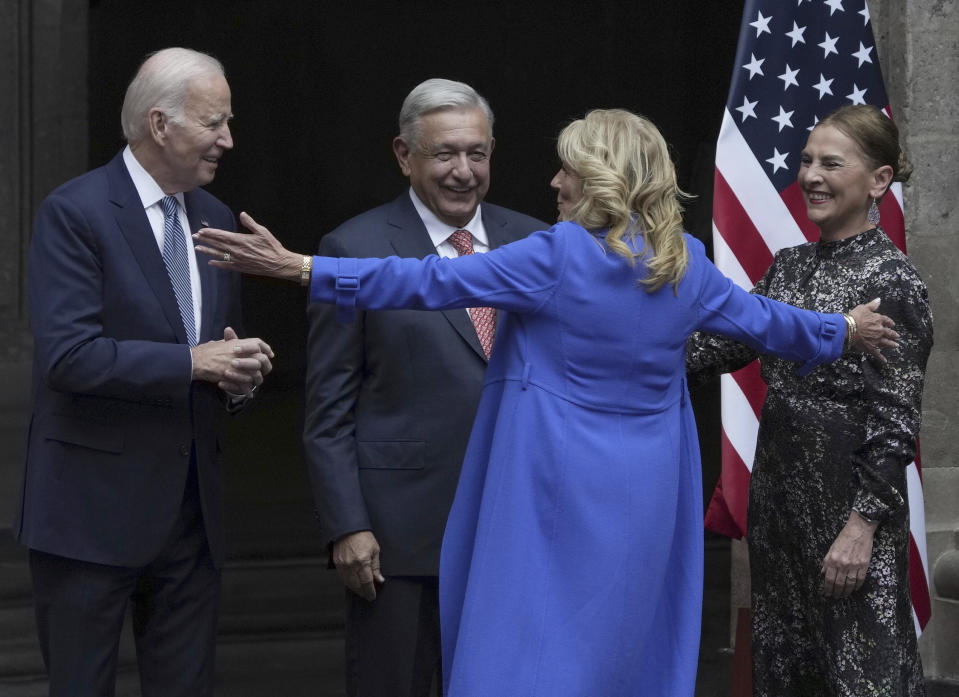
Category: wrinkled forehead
<point>826,139</point>
<point>209,95</point>
<point>459,125</point>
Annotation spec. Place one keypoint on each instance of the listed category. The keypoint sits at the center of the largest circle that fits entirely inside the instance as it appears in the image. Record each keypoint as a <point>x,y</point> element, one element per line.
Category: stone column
<point>43,142</point>
<point>918,43</point>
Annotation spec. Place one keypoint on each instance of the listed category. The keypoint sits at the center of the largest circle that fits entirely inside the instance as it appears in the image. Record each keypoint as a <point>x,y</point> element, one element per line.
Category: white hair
<point>437,94</point>
<point>163,82</point>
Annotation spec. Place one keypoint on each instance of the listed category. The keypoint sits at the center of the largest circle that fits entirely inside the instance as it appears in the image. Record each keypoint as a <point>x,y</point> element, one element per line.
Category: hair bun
<point>903,169</point>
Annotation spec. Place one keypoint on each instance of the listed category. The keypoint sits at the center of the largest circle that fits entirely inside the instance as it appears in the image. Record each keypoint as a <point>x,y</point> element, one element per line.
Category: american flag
<point>797,60</point>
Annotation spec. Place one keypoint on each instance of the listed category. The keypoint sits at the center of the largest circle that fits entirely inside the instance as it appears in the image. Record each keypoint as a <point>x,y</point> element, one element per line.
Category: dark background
<point>316,91</point>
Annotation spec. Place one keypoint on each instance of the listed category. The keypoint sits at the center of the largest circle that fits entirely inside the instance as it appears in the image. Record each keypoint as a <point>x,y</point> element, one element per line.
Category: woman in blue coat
<point>573,557</point>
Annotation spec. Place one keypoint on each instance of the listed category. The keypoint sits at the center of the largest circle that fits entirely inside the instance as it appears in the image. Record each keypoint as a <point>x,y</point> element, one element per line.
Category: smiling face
<point>449,166</point>
<point>569,190</point>
<point>838,183</point>
<point>194,141</point>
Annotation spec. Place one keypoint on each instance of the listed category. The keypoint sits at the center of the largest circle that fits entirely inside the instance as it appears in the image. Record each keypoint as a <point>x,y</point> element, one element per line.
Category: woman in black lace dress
<point>828,522</point>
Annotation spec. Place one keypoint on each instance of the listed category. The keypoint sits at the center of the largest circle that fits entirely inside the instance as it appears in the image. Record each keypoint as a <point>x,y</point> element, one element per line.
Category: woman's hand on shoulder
<point>874,331</point>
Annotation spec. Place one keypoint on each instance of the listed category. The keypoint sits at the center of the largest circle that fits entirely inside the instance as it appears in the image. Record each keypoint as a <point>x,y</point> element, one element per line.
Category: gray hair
<point>163,82</point>
<point>434,95</point>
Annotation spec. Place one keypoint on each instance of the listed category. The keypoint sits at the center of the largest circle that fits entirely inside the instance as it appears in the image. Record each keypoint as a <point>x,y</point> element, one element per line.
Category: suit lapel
<point>410,238</point>
<point>496,227</point>
<point>413,241</point>
<point>135,228</point>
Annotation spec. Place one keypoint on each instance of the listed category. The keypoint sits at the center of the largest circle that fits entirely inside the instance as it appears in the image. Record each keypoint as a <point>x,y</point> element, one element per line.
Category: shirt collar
<point>440,231</point>
<point>148,190</point>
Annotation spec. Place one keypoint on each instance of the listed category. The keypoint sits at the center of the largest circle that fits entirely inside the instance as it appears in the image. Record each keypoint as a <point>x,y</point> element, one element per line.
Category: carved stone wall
<point>918,43</point>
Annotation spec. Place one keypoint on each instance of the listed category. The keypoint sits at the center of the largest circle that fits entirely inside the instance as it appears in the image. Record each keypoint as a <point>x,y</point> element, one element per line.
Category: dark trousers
<point>80,608</point>
<point>393,643</point>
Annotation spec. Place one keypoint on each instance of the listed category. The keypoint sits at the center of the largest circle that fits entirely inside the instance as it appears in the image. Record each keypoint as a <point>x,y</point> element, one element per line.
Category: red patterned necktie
<point>484,318</point>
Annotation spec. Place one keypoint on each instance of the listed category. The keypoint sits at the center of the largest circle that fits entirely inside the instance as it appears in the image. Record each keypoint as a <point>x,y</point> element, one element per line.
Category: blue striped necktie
<point>177,266</point>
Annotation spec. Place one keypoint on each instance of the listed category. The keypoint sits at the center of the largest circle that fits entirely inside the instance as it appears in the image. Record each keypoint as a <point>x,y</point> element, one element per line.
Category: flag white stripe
<point>756,194</point>
<point>917,514</point>
<point>728,263</point>
<point>757,197</point>
<point>739,420</point>
<point>896,190</point>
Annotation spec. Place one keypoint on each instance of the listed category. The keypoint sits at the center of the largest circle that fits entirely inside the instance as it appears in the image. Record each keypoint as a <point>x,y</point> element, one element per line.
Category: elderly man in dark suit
<point>391,396</point>
<point>135,353</point>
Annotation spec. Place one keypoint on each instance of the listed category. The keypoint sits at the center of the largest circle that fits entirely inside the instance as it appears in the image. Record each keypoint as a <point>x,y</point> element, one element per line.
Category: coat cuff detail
<point>831,343</point>
<point>345,287</point>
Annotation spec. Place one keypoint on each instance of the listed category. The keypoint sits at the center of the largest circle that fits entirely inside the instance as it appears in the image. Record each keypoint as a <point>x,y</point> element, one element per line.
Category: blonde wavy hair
<point>629,186</point>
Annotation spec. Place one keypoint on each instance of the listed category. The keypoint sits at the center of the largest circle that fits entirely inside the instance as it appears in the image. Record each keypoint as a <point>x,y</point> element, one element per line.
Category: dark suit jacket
<point>114,409</point>
<point>390,398</point>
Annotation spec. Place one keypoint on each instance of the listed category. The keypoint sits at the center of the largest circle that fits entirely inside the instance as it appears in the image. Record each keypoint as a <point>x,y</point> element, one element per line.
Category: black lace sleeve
<point>893,391</point>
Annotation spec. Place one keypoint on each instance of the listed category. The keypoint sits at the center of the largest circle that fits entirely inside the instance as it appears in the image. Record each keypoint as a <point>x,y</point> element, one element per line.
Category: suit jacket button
<point>184,450</point>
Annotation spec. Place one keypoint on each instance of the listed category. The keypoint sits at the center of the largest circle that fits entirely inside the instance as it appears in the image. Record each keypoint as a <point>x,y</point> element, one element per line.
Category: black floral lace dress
<point>838,439</point>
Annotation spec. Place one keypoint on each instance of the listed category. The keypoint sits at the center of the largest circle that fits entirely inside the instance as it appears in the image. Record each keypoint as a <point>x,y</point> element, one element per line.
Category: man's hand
<point>235,365</point>
<point>357,561</point>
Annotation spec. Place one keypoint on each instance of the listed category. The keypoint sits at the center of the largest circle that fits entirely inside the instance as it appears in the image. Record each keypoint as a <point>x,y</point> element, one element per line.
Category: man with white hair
<point>135,352</point>
<point>390,397</point>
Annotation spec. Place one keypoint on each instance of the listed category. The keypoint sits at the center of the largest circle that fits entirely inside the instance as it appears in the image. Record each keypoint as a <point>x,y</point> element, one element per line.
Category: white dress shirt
<point>150,195</point>
<point>439,231</point>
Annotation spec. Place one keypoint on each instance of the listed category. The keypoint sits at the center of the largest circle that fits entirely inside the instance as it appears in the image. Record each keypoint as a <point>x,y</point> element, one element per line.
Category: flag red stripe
<point>742,156</point>
<point>738,230</point>
<point>891,219</point>
<point>752,385</point>
<point>719,518</point>
<point>792,197</point>
<point>735,483</point>
<point>918,587</point>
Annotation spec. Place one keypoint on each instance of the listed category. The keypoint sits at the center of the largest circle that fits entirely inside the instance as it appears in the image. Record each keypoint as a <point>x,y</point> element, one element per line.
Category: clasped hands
<point>237,366</point>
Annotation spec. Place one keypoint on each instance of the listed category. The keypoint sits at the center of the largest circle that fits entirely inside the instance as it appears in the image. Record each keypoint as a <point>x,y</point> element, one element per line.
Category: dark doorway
<point>316,90</point>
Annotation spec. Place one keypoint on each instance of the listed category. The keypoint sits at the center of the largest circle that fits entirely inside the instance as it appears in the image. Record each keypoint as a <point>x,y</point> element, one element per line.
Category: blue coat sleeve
<point>766,325</point>
<point>518,277</point>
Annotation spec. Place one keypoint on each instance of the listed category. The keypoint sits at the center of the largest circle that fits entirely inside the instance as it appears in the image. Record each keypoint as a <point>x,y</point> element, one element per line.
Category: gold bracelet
<point>852,330</point>
<point>306,270</point>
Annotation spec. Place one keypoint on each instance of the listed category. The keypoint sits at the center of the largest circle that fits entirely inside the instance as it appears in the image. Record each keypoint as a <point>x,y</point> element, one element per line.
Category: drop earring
<point>873,214</point>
